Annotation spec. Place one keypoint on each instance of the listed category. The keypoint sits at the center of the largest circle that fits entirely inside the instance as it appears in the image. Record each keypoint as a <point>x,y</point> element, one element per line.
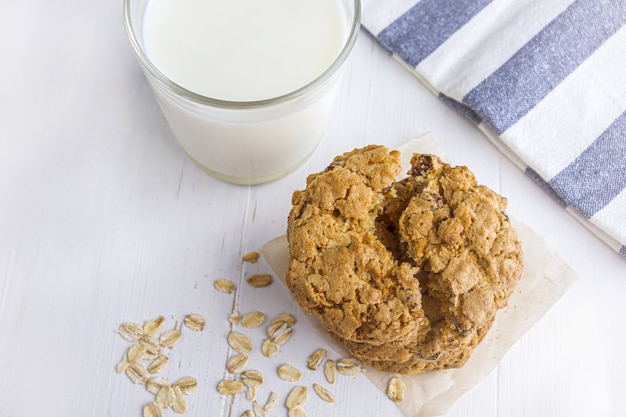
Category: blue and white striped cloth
<point>544,80</point>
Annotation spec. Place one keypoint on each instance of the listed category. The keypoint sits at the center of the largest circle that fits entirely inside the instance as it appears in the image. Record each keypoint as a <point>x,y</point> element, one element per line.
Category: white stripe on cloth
<point>485,43</point>
<point>547,59</point>
<point>567,120</point>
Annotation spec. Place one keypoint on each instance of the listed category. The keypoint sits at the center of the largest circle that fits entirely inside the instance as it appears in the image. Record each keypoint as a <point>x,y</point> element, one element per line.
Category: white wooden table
<point>104,220</point>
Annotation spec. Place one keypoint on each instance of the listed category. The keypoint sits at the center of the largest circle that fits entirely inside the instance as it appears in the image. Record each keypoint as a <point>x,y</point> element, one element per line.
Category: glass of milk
<point>247,86</point>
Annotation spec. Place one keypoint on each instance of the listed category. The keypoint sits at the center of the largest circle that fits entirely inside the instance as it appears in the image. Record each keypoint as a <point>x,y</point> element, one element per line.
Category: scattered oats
<point>194,322</point>
<point>153,385</point>
<point>285,318</point>
<point>234,318</point>
<point>237,363</point>
<point>165,397</point>
<point>121,367</point>
<point>272,401</point>
<point>283,334</point>
<point>153,349</point>
<point>159,364</point>
<point>348,361</point>
<point>251,257</point>
<point>259,280</point>
<point>323,393</point>
<point>152,410</point>
<point>187,384</point>
<point>150,342</point>
<point>252,320</point>
<point>150,356</point>
<point>151,327</point>
<point>150,348</point>
<point>230,387</point>
<point>316,358</point>
<point>396,389</point>
<point>269,348</point>
<point>297,397</point>
<point>135,353</point>
<point>240,342</point>
<point>274,326</point>
<point>289,373</point>
<point>251,395</point>
<point>170,337</point>
<point>298,412</point>
<point>348,366</point>
<point>252,378</point>
<point>224,285</point>
<point>248,413</point>
<point>131,332</point>
<point>330,371</point>
<point>137,373</point>
<point>179,404</point>
<point>258,410</point>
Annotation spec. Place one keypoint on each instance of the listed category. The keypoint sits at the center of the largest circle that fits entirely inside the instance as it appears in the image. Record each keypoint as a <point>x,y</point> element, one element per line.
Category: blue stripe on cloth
<point>532,72</point>
<point>533,175</point>
<point>598,175</point>
<point>461,108</point>
<point>426,25</point>
<point>622,251</point>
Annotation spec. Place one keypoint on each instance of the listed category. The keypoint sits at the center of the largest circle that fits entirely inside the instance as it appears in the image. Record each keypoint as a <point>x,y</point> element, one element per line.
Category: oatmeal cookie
<point>407,274</point>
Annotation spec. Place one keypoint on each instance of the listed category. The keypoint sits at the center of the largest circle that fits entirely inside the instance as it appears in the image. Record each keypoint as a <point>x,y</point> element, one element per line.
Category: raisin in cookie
<point>408,275</point>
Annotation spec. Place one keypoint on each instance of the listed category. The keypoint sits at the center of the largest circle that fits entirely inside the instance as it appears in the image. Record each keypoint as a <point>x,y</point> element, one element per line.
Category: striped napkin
<point>544,80</point>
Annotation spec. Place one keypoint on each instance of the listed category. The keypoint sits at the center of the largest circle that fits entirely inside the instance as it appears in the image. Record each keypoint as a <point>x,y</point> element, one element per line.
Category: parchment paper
<point>545,279</point>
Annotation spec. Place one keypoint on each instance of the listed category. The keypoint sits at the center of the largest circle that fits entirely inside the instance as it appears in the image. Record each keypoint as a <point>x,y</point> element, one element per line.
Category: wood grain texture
<point>104,220</point>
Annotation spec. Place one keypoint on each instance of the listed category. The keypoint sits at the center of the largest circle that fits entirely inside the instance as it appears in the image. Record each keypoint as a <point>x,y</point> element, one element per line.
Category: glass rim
<point>205,100</point>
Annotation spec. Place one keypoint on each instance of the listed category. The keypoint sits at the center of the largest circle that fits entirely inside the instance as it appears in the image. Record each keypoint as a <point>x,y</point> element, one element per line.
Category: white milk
<point>243,51</point>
